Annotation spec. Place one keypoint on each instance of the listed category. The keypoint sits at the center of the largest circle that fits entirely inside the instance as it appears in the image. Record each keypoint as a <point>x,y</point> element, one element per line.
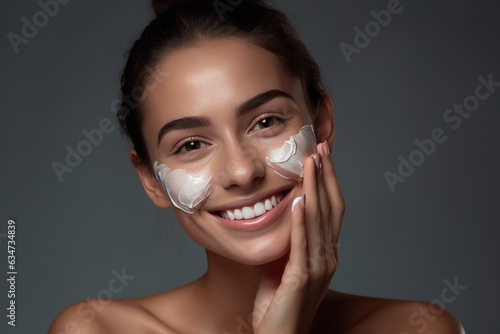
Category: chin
<point>256,247</point>
<point>266,246</point>
<point>261,254</point>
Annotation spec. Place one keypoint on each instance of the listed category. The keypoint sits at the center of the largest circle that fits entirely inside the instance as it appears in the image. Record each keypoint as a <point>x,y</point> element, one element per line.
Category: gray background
<point>440,224</point>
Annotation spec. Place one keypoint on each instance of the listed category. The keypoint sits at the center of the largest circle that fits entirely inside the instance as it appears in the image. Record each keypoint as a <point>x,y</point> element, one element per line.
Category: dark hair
<point>185,23</point>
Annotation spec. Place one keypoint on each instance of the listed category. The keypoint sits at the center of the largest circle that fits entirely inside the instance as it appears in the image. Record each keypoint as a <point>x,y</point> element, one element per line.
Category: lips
<point>257,206</point>
<point>255,210</point>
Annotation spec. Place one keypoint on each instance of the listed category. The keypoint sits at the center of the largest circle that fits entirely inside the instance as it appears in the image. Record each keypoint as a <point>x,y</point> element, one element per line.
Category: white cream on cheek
<point>185,190</point>
<point>287,160</point>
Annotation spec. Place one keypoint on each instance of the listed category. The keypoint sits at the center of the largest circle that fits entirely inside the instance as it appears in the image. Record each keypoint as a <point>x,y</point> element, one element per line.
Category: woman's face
<point>220,108</point>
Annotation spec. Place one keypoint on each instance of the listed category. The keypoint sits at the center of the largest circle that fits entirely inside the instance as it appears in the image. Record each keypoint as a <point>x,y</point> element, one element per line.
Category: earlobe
<point>151,186</point>
<point>324,124</point>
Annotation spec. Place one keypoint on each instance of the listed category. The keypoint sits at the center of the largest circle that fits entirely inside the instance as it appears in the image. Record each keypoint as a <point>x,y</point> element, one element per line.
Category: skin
<point>271,280</point>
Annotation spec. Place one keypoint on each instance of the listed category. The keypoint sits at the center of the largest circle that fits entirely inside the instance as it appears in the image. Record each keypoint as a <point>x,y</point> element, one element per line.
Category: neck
<point>229,288</point>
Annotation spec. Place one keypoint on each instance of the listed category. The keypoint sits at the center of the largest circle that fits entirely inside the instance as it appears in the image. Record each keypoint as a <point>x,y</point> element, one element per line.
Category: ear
<point>153,188</point>
<point>324,125</point>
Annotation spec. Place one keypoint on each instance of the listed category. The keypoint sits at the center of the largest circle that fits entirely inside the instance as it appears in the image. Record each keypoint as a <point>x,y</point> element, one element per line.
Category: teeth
<point>249,212</point>
<point>237,214</point>
<point>259,209</point>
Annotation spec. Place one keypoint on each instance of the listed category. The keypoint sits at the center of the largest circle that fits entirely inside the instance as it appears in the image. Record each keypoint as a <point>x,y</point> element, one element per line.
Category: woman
<point>232,129</point>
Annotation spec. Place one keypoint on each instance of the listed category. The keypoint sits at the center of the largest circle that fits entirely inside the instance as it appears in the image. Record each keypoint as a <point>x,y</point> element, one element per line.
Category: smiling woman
<point>236,140</point>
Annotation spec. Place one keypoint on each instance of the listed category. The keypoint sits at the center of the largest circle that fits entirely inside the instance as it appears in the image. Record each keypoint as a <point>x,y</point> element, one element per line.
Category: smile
<point>246,216</point>
<point>249,212</point>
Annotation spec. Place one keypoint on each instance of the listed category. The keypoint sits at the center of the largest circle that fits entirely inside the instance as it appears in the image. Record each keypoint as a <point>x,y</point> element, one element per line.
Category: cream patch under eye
<point>287,160</point>
<point>185,190</point>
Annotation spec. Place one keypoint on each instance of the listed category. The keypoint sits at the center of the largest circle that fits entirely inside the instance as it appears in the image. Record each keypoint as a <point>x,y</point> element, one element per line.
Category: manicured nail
<point>317,160</point>
<point>299,200</point>
<point>326,147</point>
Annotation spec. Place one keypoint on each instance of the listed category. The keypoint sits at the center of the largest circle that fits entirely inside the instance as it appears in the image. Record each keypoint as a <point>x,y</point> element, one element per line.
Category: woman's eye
<point>267,122</point>
<point>191,145</point>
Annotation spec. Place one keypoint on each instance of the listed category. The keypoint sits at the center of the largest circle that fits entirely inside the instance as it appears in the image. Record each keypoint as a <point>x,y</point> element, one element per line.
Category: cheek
<point>185,190</point>
<point>287,160</point>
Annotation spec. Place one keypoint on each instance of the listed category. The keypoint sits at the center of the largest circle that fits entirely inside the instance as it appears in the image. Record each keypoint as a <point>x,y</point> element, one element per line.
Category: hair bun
<point>159,6</point>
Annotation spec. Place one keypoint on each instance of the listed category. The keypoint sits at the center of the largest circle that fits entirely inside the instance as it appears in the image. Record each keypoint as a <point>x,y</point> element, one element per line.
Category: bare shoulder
<point>98,316</point>
<point>351,314</point>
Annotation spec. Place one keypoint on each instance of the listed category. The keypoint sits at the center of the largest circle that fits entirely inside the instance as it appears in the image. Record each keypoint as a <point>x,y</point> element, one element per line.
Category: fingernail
<point>317,160</point>
<point>326,147</point>
<point>299,200</point>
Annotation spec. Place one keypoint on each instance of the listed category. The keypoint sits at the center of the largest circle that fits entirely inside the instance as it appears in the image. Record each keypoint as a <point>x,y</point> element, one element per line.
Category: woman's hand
<point>287,300</point>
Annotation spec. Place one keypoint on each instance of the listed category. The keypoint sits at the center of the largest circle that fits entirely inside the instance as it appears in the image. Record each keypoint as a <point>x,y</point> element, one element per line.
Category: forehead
<point>215,76</point>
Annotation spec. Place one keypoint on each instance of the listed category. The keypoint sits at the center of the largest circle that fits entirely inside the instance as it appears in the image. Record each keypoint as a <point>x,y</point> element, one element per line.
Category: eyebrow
<point>199,122</point>
<point>261,99</point>
<point>183,123</point>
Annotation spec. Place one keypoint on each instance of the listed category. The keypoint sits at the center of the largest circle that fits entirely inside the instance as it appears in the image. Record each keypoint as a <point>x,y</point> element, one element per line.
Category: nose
<point>242,166</point>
